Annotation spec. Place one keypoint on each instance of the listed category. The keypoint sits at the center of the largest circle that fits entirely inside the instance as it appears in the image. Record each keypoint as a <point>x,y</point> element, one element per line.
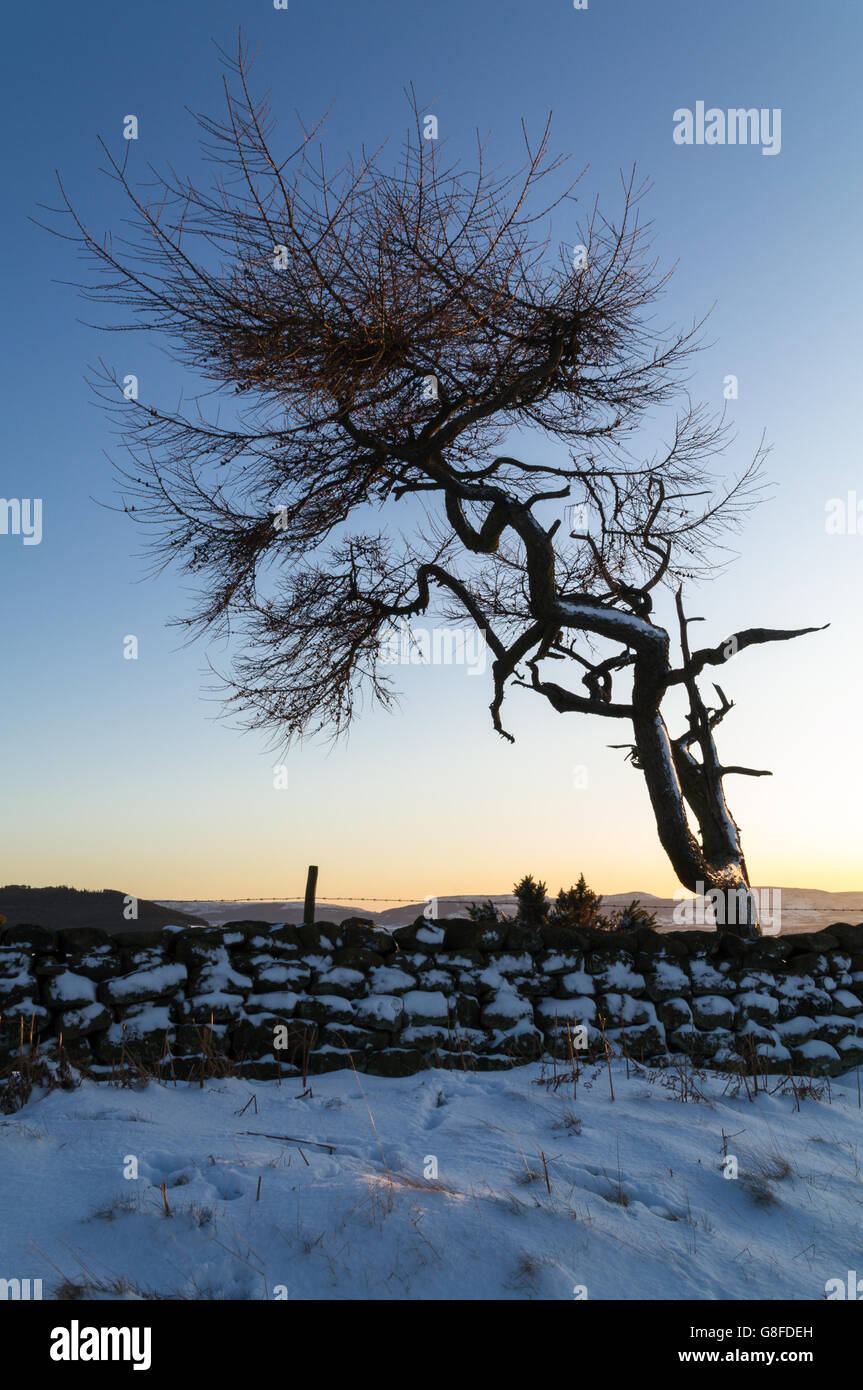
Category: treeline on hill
<point>577,906</point>
<point>108,908</point>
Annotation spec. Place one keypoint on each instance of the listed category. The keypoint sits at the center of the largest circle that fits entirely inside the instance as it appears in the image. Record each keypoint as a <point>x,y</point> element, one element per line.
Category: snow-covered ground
<point>538,1194</point>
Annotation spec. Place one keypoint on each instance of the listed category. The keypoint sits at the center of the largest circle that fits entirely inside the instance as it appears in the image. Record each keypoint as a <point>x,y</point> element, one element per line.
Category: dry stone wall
<point>283,1000</point>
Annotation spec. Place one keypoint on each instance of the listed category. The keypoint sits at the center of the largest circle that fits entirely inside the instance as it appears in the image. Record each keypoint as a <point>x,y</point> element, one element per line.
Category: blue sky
<point>118,773</point>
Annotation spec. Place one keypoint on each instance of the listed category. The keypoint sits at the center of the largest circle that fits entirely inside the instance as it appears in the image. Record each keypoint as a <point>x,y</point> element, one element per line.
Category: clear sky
<point>118,773</point>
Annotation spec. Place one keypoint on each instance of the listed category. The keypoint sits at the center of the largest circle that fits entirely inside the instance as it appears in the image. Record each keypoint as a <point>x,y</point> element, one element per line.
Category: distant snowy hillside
<point>802,909</point>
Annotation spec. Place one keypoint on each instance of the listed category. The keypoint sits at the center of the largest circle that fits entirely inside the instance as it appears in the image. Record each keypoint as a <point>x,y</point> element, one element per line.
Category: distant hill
<point>803,909</point>
<point>75,907</point>
<point>219,911</point>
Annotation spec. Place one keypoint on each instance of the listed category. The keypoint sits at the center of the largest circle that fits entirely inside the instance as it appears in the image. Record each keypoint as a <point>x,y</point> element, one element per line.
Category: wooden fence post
<point>311,887</point>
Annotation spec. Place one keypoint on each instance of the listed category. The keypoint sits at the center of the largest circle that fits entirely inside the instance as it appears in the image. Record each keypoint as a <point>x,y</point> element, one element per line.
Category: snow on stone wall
<point>285,1000</point>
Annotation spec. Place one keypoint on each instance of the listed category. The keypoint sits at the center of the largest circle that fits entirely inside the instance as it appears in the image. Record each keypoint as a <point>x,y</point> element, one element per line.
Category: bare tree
<point>376,335</point>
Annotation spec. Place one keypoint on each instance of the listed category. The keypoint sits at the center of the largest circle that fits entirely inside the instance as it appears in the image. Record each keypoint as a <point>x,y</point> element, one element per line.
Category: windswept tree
<point>409,396</point>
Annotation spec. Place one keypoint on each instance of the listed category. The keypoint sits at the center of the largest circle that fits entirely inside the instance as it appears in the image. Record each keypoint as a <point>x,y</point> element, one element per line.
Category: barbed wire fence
<point>434,900</point>
<point>501,899</point>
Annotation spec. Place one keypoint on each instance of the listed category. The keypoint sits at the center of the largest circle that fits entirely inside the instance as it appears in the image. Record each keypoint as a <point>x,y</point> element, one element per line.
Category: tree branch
<point>724,651</point>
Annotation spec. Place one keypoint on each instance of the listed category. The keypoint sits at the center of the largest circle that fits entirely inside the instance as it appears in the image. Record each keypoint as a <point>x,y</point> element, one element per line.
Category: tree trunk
<point>715,867</point>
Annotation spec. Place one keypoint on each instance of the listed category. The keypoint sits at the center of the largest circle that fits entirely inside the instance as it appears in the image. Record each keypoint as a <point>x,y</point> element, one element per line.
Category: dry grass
<point>760,1170</point>
<point>29,1070</point>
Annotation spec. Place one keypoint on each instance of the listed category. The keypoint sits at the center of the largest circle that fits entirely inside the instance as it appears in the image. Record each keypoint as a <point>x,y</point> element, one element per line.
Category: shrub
<point>579,907</point>
<point>483,912</point>
<point>532,901</point>
<point>632,917</point>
